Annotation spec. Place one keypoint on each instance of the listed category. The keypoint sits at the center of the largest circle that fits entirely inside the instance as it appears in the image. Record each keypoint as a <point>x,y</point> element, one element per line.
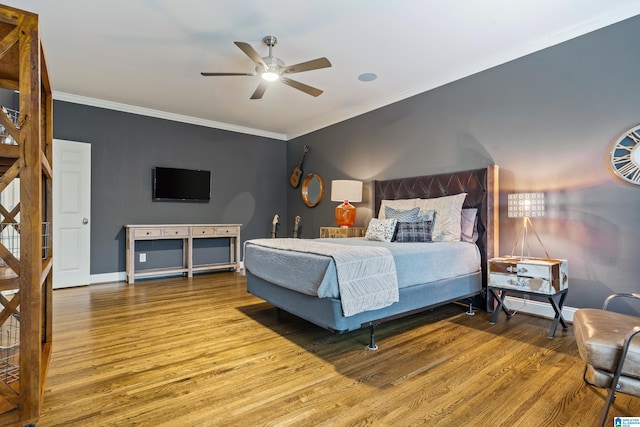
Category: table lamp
<point>526,206</point>
<point>345,191</point>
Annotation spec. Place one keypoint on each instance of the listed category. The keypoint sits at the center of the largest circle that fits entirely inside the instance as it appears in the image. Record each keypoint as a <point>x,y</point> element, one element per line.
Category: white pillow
<point>447,227</point>
<point>381,230</point>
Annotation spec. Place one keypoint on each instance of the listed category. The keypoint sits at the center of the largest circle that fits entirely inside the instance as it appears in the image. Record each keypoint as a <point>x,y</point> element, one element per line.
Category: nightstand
<point>342,232</point>
<point>530,276</point>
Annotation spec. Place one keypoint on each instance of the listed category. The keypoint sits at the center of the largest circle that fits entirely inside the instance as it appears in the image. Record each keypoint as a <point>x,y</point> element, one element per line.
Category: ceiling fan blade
<point>307,66</point>
<point>251,53</point>
<point>228,74</point>
<point>260,90</point>
<point>301,86</point>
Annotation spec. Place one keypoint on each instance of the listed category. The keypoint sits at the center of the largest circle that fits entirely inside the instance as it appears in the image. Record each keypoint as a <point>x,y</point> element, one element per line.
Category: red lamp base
<point>345,214</point>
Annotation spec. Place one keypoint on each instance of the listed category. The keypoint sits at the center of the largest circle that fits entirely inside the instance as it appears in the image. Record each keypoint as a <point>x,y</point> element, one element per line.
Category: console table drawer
<point>203,231</point>
<point>147,232</point>
<point>176,232</point>
<point>226,231</point>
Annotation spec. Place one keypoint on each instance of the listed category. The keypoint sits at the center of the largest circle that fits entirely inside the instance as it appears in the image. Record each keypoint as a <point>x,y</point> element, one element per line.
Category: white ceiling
<point>146,56</point>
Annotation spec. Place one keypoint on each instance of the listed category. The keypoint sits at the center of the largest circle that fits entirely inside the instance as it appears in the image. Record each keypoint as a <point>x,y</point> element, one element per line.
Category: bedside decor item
<point>345,191</point>
<point>525,206</point>
<point>625,156</point>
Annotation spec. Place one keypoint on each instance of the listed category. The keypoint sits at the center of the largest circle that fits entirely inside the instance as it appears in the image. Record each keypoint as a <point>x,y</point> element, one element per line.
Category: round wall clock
<point>625,156</point>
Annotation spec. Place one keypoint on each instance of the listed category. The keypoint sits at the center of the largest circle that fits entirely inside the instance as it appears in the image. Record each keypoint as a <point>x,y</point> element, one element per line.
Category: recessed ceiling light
<point>367,77</point>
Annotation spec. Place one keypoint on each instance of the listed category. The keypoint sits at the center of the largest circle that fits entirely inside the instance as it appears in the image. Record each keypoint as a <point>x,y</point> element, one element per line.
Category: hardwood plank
<point>201,351</point>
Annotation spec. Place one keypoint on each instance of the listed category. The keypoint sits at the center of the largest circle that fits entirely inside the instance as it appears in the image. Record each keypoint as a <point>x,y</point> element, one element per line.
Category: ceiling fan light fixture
<point>271,69</point>
<point>270,76</point>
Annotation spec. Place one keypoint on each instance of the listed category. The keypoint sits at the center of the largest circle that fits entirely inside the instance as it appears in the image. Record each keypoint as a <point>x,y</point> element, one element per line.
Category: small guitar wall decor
<point>294,178</point>
<point>296,227</point>
<point>274,226</point>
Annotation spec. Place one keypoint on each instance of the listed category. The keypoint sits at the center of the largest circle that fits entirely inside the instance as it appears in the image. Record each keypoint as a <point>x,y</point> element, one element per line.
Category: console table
<point>186,233</point>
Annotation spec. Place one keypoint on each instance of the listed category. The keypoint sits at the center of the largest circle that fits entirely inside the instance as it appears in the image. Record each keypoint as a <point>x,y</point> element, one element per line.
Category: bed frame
<point>481,186</point>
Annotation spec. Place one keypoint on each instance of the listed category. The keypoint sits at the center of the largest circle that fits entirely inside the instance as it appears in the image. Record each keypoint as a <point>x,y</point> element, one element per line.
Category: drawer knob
<point>512,269</point>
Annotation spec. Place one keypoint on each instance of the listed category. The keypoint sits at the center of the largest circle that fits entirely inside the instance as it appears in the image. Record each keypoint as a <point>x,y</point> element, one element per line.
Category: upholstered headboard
<point>481,186</point>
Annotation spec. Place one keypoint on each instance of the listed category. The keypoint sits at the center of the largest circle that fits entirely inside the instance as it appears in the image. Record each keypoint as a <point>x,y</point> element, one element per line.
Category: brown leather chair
<point>606,343</point>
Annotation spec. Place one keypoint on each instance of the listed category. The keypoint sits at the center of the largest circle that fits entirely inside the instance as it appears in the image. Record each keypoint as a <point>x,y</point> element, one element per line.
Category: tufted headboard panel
<point>481,186</point>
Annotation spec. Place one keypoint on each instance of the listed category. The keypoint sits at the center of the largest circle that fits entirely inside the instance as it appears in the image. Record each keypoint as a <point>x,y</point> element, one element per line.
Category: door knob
<point>85,220</point>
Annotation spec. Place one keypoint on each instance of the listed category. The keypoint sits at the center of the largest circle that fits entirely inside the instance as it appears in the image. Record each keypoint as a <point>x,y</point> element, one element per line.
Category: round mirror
<point>312,189</point>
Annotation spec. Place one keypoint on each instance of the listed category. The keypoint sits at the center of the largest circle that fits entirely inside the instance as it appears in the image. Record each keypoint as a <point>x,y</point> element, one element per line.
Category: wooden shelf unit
<point>27,279</point>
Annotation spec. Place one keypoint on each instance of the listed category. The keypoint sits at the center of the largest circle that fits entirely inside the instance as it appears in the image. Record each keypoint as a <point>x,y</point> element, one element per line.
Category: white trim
<point>109,105</point>
<point>538,308</point>
<point>119,276</point>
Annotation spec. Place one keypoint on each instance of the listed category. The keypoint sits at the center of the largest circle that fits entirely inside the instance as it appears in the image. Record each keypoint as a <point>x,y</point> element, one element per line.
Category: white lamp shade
<point>343,189</point>
<point>521,205</point>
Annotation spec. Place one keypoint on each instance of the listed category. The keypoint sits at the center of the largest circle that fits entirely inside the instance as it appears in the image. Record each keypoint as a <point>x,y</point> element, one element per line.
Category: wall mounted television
<point>181,184</point>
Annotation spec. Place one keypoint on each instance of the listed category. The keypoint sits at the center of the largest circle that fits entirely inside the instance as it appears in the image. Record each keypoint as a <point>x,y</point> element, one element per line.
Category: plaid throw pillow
<point>414,231</point>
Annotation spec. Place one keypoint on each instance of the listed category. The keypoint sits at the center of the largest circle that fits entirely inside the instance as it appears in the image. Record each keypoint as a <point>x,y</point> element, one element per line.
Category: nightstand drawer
<point>536,275</point>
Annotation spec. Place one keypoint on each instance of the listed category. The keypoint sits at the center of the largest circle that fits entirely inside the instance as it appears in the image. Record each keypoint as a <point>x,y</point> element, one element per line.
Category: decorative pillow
<point>414,231</point>
<point>410,215</point>
<point>429,215</point>
<point>448,219</point>
<point>382,230</point>
<point>399,204</point>
<point>469,225</point>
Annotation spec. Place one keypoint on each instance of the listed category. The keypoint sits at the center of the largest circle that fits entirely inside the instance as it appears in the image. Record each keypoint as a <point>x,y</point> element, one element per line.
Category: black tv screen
<point>181,184</point>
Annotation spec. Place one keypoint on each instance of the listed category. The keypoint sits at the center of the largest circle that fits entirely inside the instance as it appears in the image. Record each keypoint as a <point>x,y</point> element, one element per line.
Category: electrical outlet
<point>143,257</point>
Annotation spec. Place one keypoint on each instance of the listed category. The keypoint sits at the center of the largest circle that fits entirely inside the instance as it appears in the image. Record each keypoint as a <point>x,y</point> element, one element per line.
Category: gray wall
<point>248,177</point>
<point>548,120</point>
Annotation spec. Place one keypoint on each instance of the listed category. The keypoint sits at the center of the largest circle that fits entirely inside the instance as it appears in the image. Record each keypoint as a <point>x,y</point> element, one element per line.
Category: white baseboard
<point>119,276</point>
<point>538,308</point>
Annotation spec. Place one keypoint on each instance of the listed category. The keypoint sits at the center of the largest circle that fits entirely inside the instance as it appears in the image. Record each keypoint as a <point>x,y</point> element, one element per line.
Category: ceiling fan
<point>271,69</point>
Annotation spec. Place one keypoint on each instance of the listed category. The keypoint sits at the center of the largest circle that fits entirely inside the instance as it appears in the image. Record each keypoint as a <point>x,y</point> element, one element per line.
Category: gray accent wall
<point>248,180</point>
<point>548,120</point>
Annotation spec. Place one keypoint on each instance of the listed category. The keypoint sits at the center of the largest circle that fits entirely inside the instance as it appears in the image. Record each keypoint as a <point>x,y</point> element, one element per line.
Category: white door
<point>71,213</point>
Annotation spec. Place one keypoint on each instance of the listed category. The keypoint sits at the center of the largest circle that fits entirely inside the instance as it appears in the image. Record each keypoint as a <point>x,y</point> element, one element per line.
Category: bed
<point>327,310</point>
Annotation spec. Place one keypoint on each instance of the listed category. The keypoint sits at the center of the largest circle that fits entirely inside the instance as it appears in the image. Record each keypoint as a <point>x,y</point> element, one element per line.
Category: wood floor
<point>203,352</point>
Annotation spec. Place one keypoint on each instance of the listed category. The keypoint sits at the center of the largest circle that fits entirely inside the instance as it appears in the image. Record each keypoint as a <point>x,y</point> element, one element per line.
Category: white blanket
<point>366,275</point>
